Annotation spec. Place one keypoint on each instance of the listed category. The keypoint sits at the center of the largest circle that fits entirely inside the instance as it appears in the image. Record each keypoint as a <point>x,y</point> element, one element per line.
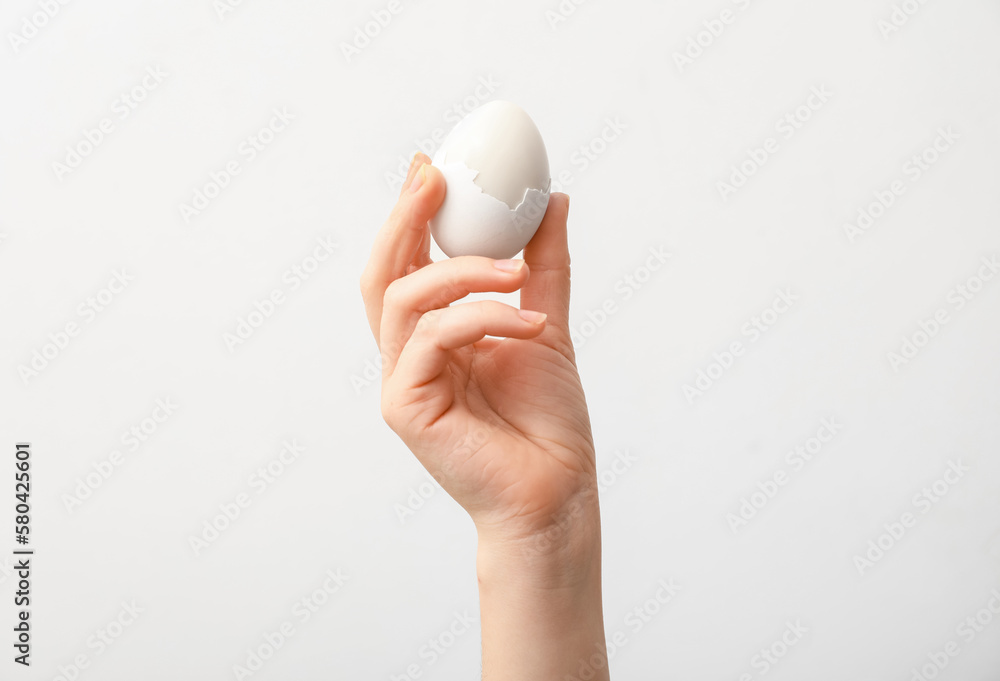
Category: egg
<point>497,174</point>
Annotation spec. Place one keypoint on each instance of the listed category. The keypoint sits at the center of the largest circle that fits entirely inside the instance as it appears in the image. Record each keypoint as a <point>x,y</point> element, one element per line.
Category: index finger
<point>400,240</point>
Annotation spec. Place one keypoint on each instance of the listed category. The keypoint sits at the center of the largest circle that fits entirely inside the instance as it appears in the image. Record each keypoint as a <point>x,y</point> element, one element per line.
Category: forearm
<point>540,604</point>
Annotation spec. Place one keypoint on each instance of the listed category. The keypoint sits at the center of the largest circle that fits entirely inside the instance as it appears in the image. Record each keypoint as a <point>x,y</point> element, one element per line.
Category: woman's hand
<point>501,423</point>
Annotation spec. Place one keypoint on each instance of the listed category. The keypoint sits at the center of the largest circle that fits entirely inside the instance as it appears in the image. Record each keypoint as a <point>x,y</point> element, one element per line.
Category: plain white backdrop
<point>160,258</point>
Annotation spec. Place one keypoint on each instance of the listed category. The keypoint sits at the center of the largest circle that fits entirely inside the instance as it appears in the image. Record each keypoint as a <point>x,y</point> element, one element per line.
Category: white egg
<point>497,174</point>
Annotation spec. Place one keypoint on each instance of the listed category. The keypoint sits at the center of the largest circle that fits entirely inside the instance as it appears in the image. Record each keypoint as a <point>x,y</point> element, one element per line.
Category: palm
<point>518,413</point>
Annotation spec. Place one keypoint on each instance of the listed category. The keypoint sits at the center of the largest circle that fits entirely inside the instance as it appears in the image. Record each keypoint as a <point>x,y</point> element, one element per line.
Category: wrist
<point>564,553</point>
<point>540,600</point>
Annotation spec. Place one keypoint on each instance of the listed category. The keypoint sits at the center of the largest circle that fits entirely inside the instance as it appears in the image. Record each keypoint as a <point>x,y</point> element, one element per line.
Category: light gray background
<point>655,186</point>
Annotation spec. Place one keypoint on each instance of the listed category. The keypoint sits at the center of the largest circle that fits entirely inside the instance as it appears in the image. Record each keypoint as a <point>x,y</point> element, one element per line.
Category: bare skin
<point>501,422</point>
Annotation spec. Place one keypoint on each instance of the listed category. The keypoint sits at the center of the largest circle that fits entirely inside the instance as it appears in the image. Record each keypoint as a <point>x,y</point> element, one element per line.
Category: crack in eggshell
<point>500,231</point>
<point>475,142</point>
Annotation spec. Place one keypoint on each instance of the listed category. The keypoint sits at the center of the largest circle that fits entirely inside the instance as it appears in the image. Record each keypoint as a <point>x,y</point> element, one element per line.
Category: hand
<point>501,423</point>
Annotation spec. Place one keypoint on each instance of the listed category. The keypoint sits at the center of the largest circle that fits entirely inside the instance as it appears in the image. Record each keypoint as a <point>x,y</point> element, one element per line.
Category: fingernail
<point>509,265</point>
<point>418,180</point>
<point>532,316</point>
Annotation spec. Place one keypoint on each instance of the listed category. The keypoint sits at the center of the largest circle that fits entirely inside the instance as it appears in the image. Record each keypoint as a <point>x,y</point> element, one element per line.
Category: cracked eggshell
<point>497,175</point>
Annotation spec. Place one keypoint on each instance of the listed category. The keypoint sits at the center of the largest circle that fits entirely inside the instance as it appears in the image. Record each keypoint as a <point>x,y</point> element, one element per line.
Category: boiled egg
<point>497,175</point>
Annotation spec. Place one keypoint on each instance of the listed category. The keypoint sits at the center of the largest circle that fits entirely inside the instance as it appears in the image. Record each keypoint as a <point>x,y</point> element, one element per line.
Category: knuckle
<point>491,308</point>
<point>394,294</point>
<point>454,287</point>
<point>428,322</point>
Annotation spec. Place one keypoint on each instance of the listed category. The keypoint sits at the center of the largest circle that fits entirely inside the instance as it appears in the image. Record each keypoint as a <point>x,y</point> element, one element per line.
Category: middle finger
<point>435,286</point>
